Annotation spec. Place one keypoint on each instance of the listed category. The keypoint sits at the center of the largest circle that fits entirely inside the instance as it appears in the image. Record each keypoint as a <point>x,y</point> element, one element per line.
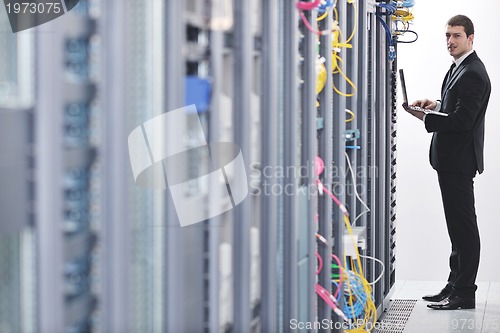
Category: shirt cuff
<point>438,106</point>
<point>423,119</point>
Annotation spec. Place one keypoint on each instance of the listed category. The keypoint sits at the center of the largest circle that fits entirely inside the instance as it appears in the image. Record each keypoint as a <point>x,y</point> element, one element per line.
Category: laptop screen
<point>403,85</point>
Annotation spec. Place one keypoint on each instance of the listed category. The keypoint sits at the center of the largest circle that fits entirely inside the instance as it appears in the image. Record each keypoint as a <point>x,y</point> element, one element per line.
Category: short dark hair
<point>462,21</point>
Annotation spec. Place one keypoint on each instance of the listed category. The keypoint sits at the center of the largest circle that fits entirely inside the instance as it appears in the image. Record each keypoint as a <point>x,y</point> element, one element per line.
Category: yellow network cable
<point>403,15</point>
<point>355,24</point>
<point>337,69</point>
<point>353,116</point>
<point>322,17</point>
<point>321,75</point>
<point>370,310</point>
<point>337,60</point>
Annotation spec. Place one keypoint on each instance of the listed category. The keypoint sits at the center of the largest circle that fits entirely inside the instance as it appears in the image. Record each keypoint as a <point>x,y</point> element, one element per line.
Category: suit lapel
<point>454,75</point>
<point>447,84</point>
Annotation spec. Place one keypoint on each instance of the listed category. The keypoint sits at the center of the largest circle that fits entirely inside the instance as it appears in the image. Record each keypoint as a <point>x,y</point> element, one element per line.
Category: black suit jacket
<point>458,140</point>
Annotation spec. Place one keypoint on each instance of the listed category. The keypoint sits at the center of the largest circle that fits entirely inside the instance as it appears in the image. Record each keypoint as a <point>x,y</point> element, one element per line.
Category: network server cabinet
<point>93,251</point>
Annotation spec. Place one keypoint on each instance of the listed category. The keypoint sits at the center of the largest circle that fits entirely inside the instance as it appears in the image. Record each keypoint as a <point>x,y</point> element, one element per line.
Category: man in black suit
<point>456,154</point>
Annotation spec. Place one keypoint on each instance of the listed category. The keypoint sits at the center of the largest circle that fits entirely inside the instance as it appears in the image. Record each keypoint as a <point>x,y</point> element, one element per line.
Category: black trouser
<point>457,191</point>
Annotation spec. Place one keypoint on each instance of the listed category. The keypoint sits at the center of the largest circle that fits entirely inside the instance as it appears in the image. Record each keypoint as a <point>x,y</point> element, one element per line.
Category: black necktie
<point>450,72</point>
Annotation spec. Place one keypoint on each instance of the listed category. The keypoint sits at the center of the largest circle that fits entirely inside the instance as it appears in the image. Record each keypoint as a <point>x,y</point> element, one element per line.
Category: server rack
<point>251,269</point>
<point>269,147</point>
<point>371,148</point>
<point>65,171</point>
<point>18,308</point>
<point>115,304</point>
<point>325,136</point>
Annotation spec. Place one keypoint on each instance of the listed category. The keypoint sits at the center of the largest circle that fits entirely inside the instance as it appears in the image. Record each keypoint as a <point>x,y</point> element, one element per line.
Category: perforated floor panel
<point>395,318</point>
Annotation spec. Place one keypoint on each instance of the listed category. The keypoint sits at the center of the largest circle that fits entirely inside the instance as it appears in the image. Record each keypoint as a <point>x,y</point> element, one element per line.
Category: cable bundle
<point>337,45</point>
<point>358,307</point>
<point>408,3</point>
<point>305,5</point>
<point>403,18</point>
<point>390,8</point>
<point>356,296</point>
<point>331,300</point>
<point>323,6</point>
<point>401,15</point>
<point>326,5</point>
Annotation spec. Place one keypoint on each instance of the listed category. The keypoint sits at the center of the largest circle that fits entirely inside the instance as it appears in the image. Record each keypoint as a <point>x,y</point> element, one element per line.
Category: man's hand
<point>418,114</point>
<point>422,103</point>
<point>425,104</point>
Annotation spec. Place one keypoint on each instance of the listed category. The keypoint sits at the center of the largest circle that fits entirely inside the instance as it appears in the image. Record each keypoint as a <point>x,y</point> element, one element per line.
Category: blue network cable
<point>390,8</point>
<point>356,289</point>
<point>392,49</point>
<point>408,3</point>
<point>326,6</point>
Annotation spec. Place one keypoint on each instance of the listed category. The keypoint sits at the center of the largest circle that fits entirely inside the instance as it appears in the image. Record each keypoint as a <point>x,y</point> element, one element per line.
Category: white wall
<point>423,245</point>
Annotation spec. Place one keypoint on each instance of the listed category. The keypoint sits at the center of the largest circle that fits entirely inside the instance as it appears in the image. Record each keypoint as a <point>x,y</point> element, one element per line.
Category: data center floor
<point>484,319</point>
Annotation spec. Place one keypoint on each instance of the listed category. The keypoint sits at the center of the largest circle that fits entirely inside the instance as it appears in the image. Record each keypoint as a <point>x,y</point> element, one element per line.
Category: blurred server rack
<point>289,219</point>
<point>365,121</point>
<point>65,168</point>
<point>269,147</point>
<point>333,107</point>
<point>115,306</point>
<point>17,232</point>
<point>325,137</point>
<point>17,243</point>
<point>235,117</point>
<point>306,192</point>
<point>133,264</point>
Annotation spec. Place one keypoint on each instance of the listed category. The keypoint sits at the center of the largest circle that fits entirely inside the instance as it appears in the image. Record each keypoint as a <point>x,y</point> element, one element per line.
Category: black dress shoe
<point>437,298</point>
<point>454,302</point>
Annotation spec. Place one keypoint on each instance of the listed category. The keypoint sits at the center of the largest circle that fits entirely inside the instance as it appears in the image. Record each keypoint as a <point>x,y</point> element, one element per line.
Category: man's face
<point>457,41</point>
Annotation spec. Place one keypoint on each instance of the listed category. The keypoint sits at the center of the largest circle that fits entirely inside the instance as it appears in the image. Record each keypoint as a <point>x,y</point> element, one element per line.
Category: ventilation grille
<point>394,320</point>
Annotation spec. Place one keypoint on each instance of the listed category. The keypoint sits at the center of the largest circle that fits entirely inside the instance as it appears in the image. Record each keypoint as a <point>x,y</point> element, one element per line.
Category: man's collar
<point>462,58</point>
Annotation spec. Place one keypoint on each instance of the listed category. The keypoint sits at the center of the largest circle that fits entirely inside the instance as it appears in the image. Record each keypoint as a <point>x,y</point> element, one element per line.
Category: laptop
<point>415,108</point>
